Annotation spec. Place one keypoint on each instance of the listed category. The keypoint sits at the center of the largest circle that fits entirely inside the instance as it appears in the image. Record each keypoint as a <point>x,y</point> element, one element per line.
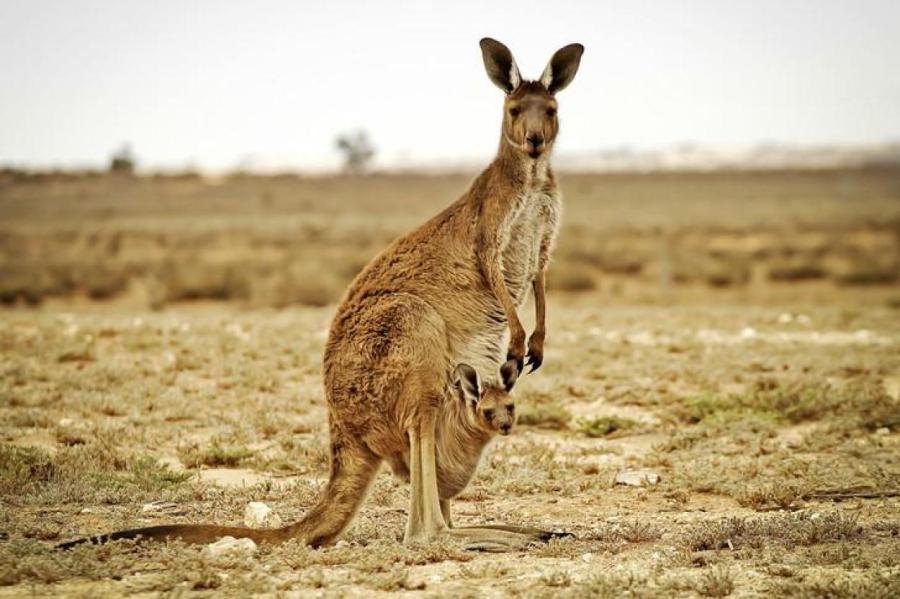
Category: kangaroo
<point>442,295</point>
<point>465,427</point>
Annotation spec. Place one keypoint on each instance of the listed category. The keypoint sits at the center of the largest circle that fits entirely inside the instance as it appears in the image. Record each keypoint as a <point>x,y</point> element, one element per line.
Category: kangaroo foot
<point>539,534</point>
<point>498,539</point>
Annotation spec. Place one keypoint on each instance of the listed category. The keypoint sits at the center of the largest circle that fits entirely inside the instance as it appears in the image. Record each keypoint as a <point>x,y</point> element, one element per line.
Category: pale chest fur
<point>530,233</point>
<point>527,237</point>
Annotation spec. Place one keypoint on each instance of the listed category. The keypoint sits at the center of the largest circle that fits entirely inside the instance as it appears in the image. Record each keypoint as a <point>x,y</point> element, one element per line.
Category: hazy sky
<point>220,83</point>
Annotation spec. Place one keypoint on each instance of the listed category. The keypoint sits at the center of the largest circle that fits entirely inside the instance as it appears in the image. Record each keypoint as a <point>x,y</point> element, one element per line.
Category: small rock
<point>414,583</point>
<point>66,422</point>
<point>587,557</point>
<point>883,431</point>
<point>785,318</point>
<point>259,515</point>
<point>170,360</point>
<point>87,510</point>
<point>637,478</point>
<point>748,333</point>
<point>341,544</point>
<point>892,386</point>
<point>227,545</point>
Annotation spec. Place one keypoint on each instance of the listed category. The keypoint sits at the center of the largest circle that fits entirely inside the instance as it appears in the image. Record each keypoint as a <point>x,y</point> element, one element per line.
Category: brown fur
<point>445,294</point>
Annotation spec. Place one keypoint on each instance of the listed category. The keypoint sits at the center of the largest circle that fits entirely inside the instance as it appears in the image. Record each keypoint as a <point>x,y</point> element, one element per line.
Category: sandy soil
<point>747,414</point>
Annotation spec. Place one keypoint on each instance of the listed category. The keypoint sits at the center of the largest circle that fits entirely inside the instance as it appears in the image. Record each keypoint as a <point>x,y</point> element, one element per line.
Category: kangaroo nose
<point>504,428</point>
<point>535,141</point>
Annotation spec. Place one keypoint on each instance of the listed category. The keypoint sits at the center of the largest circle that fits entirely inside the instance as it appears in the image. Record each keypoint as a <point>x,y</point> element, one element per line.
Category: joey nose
<point>504,428</point>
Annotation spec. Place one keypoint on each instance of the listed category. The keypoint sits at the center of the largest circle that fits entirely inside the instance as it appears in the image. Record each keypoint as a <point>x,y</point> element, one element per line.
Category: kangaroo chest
<point>531,229</point>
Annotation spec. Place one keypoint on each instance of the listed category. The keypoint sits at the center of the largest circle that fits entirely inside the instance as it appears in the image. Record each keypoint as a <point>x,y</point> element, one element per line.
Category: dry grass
<point>294,240</point>
<point>708,336</point>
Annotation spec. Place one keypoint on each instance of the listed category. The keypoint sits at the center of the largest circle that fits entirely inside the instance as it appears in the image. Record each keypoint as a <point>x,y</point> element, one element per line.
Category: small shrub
<point>605,426</point>
<point>718,581</point>
<point>546,413</point>
<point>214,455</point>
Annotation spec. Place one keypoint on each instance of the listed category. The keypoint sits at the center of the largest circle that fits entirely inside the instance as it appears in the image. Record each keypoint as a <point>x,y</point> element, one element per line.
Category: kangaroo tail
<point>189,533</point>
<point>352,471</point>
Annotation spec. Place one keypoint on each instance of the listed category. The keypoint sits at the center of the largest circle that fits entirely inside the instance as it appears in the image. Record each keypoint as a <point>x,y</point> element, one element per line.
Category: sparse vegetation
<point>287,240</point>
<point>765,399</point>
<point>605,426</point>
<point>543,412</point>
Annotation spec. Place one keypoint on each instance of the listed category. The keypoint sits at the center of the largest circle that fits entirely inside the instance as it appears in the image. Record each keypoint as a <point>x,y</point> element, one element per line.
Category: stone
<point>227,545</point>
<point>637,478</point>
<point>259,515</point>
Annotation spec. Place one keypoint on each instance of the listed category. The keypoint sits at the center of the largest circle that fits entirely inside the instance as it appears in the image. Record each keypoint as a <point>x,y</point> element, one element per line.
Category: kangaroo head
<point>492,405</point>
<point>530,124</point>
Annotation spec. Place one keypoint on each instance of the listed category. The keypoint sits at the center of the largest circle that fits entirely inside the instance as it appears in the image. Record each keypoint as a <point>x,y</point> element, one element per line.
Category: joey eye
<point>489,414</point>
<point>510,409</point>
<point>551,112</point>
<point>514,112</point>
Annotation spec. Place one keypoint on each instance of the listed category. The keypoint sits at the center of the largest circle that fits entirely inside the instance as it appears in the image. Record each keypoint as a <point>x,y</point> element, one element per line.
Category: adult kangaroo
<point>442,296</point>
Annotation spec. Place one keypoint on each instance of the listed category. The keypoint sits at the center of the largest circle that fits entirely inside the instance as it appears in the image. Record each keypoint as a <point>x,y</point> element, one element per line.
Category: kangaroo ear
<point>509,372</point>
<point>500,65</point>
<point>468,383</point>
<point>562,68</point>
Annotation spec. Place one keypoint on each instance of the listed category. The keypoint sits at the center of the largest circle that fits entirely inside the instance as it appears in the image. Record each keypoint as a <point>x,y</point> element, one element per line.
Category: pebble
<point>227,545</point>
<point>259,515</point>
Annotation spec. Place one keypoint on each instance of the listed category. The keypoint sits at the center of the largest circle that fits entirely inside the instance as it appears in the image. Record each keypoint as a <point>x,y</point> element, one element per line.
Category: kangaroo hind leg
<point>426,519</point>
<point>353,468</point>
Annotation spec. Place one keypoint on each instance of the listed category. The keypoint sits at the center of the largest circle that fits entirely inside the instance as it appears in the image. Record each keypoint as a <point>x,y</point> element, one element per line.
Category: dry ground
<point>748,414</point>
<point>767,403</point>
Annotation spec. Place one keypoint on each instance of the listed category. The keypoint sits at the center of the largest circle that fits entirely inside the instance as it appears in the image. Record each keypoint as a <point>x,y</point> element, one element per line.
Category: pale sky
<point>220,83</point>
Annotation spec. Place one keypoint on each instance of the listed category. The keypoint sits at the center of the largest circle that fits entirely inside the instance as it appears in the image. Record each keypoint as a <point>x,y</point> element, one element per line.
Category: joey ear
<point>468,382</point>
<point>500,64</point>
<point>509,372</point>
<point>562,68</point>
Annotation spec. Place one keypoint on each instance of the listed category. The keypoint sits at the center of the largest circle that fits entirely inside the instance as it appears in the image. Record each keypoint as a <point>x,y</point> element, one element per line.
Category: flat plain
<point>736,334</point>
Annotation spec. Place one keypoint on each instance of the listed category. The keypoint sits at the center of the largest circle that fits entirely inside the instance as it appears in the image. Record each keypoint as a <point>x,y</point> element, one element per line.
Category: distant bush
<point>123,161</point>
<point>357,149</point>
<point>569,277</point>
<point>796,270</point>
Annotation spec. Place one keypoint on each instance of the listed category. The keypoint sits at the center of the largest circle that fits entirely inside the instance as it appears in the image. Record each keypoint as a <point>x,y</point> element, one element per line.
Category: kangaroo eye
<point>551,112</point>
<point>510,409</point>
<point>514,112</point>
<point>489,414</point>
